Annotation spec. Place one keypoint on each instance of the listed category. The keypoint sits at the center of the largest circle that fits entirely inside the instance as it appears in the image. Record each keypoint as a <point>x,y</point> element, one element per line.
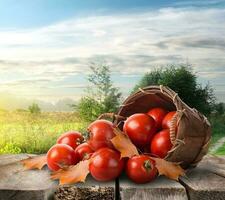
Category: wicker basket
<point>192,137</point>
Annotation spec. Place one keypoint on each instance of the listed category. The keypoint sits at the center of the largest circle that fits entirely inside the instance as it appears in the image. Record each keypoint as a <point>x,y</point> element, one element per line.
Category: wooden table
<point>205,182</point>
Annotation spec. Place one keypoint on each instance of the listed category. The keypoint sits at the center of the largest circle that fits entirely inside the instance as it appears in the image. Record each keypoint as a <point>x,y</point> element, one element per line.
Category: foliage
<point>218,126</point>
<point>101,96</point>
<point>182,80</point>
<point>221,150</point>
<point>34,108</point>
<point>21,110</point>
<point>219,108</point>
<point>21,132</point>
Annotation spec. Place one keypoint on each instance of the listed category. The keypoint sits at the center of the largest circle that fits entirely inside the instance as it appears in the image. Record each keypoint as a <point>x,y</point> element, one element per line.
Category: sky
<point>46,46</point>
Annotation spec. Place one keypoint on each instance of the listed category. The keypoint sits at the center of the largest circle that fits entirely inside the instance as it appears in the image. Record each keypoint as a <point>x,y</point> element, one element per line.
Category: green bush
<point>182,80</point>
<point>34,108</point>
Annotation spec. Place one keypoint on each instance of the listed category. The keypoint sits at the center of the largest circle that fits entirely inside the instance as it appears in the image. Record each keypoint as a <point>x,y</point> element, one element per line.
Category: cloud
<point>212,74</point>
<point>131,43</point>
<point>199,3</point>
<point>193,42</point>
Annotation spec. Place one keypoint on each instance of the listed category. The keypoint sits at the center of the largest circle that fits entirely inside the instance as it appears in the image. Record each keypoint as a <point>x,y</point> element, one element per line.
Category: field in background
<point>218,132</point>
<point>23,132</point>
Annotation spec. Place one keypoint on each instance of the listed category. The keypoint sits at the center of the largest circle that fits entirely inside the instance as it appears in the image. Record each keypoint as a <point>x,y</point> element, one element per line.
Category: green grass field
<point>22,132</point>
<point>218,131</point>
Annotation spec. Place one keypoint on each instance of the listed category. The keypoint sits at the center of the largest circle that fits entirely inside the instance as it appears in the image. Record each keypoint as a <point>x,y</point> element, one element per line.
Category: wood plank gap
<point>117,189</point>
<point>186,188</point>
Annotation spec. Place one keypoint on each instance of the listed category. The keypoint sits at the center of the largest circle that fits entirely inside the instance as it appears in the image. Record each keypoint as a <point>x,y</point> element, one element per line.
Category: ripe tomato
<point>161,143</point>
<point>71,138</point>
<point>83,151</point>
<point>141,169</point>
<point>157,114</point>
<point>167,119</point>
<point>140,128</point>
<point>60,155</point>
<point>101,133</point>
<point>106,164</point>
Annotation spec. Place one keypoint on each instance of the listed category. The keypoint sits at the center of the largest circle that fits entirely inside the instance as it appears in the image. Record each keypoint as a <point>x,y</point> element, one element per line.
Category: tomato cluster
<point>149,132</point>
<point>71,148</point>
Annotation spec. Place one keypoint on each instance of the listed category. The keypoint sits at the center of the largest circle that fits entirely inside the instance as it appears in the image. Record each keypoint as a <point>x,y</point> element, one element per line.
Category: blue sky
<point>46,45</point>
<point>37,13</point>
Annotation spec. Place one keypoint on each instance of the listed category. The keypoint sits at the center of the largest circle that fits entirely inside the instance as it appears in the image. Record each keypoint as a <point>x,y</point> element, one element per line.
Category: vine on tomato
<point>141,169</point>
<point>166,123</point>
<point>161,143</point>
<point>60,155</point>
<point>157,114</point>
<point>83,151</point>
<point>100,133</point>
<point>71,138</point>
<point>140,128</point>
<point>106,164</point>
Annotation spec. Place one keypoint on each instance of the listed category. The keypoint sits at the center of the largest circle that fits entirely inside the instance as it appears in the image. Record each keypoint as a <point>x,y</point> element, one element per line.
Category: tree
<point>182,80</point>
<point>101,96</point>
<point>34,108</point>
<point>219,108</point>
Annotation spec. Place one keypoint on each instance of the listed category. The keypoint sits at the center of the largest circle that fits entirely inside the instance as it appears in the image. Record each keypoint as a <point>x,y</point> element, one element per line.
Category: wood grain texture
<point>160,189</point>
<point>18,184</point>
<point>10,158</point>
<point>203,184</point>
<point>207,181</point>
<point>214,164</point>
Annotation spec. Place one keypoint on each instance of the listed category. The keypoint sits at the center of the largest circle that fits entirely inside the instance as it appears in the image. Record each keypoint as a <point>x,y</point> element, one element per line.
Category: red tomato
<point>60,155</point>
<point>161,143</point>
<point>157,114</point>
<point>71,138</point>
<point>140,128</point>
<point>101,133</point>
<point>167,119</point>
<point>141,169</point>
<point>106,164</point>
<point>83,151</point>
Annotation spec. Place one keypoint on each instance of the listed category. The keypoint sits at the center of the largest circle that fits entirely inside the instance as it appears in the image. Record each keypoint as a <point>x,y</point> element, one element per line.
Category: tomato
<point>167,119</point>
<point>157,114</point>
<point>83,151</point>
<point>141,169</point>
<point>161,143</point>
<point>140,128</point>
<point>71,138</point>
<point>60,155</point>
<point>100,133</point>
<point>106,164</point>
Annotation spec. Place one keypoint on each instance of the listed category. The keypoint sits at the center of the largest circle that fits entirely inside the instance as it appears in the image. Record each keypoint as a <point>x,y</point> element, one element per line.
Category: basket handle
<point>173,125</point>
<point>112,116</point>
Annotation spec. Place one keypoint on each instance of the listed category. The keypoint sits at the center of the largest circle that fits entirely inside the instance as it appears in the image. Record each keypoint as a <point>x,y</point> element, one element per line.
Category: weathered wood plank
<point>91,189</point>
<point>203,184</point>
<point>17,184</point>
<point>10,158</point>
<point>215,164</point>
<point>211,159</point>
<point>160,189</point>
